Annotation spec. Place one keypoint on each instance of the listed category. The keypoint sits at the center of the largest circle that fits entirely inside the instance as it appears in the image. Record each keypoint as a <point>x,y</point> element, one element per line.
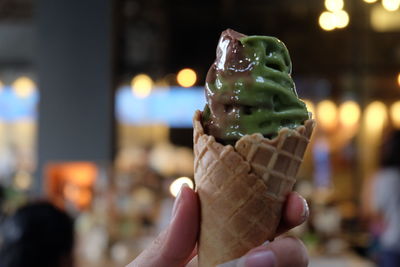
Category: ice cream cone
<point>242,189</point>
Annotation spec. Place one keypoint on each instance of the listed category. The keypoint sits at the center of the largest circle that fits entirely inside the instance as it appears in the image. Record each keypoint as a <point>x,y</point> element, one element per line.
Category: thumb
<point>174,246</point>
<point>282,252</point>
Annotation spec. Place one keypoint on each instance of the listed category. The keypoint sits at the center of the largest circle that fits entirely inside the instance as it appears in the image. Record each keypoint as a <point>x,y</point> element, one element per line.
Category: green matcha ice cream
<point>249,89</point>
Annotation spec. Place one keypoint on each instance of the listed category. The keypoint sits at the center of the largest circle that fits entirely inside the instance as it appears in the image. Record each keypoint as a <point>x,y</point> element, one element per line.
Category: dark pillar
<point>75,78</point>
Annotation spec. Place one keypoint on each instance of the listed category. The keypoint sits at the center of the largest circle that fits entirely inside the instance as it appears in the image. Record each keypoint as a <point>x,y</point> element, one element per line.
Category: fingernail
<point>178,200</point>
<point>306,211</point>
<point>261,258</point>
<point>240,262</point>
<point>265,243</point>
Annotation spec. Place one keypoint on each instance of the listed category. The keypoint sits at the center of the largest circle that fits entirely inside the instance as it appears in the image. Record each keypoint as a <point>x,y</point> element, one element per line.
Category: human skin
<point>176,245</point>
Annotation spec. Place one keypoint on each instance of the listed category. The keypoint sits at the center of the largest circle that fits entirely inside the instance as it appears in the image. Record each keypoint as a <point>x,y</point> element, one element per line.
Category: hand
<point>176,245</point>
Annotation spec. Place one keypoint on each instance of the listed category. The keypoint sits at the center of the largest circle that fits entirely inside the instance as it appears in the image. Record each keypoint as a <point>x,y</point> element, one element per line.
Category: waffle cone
<point>242,189</point>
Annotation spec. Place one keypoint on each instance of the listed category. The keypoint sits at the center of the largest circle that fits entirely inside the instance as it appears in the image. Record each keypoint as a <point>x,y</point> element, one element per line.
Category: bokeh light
<point>23,180</point>
<point>327,21</point>
<point>23,87</point>
<point>370,1</point>
<point>341,19</point>
<point>176,185</point>
<point>2,85</point>
<point>186,77</point>
<point>349,113</point>
<point>141,85</point>
<point>395,114</point>
<point>375,116</point>
<point>310,107</point>
<point>327,114</point>
<point>391,5</point>
<point>398,79</point>
<point>334,5</point>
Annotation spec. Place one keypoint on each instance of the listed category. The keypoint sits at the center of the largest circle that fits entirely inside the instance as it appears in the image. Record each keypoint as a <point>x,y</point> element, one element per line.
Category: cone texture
<point>242,189</point>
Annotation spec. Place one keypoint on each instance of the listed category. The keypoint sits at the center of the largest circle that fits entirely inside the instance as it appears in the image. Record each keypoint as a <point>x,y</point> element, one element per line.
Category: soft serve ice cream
<point>249,89</point>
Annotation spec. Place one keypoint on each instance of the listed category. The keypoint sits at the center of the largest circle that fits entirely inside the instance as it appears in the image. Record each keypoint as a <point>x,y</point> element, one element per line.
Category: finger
<point>295,212</point>
<point>174,246</point>
<point>292,246</point>
<point>285,252</point>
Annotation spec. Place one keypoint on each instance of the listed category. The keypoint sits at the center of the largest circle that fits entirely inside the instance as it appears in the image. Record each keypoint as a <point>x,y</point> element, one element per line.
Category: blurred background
<point>97,98</point>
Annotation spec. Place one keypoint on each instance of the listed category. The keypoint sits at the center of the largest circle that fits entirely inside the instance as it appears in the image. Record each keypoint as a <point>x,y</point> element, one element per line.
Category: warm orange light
<point>395,114</point>
<point>370,1</point>
<point>176,185</point>
<point>23,87</point>
<point>341,19</point>
<point>72,181</point>
<point>334,5</point>
<point>383,21</point>
<point>398,79</point>
<point>391,5</point>
<point>327,21</point>
<point>80,173</point>
<point>186,77</point>
<point>310,107</point>
<point>327,114</point>
<point>141,85</point>
<point>349,113</point>
<point>375,116</point>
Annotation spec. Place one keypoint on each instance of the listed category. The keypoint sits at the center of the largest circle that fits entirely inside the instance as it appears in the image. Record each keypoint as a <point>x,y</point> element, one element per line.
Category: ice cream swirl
<point>249,89</point>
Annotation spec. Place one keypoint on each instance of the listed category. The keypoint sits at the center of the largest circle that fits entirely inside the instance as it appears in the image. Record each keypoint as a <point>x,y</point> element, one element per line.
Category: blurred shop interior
<point>97,99</point>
